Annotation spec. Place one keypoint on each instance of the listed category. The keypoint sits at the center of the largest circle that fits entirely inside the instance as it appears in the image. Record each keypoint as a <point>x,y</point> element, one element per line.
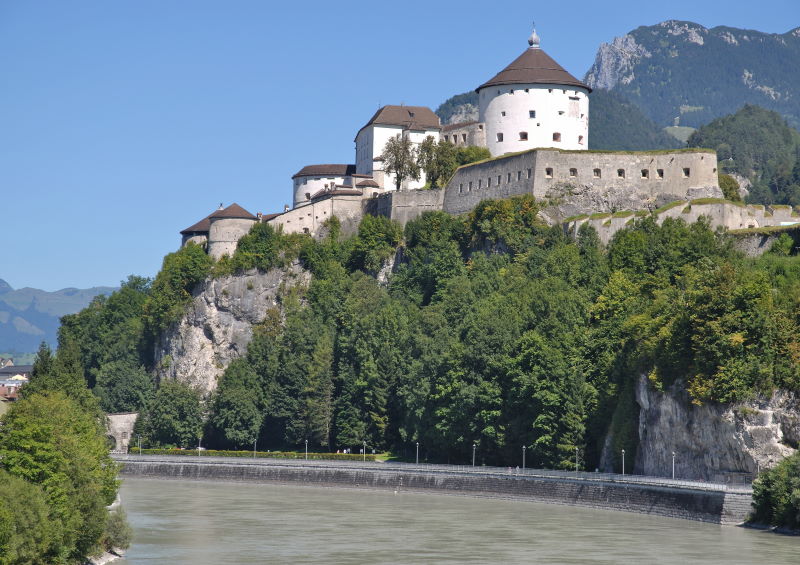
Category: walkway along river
<point>691,500</point>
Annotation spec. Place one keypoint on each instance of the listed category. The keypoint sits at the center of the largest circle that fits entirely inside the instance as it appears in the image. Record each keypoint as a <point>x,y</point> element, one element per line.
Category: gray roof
<point>330,169</point>
<point>409,117</point>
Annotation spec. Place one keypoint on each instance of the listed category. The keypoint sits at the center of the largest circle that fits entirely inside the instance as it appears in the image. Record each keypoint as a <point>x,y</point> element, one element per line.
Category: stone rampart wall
<point>547,174</point>
<point>719,213</point>
<point>224,235</point>
<point>702,505</point>
<point>406,205</point>
<point>310,217</point>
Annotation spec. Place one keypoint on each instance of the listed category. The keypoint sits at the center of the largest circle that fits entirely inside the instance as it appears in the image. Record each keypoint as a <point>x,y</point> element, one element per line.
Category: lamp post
<point>139,437</point>
<point>473,454</point>
<point>365,450</point>
<point>199,442</point>
<point>417,453</point>
<point>523,458</point>
<point>623,461</point>
<point>306,450</point>
<point>576,460</point>
<point>254,448</point>
<point>673,465</point>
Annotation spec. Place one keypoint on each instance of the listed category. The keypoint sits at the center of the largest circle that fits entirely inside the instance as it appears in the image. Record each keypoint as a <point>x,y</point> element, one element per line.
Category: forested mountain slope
<point>682,71</point>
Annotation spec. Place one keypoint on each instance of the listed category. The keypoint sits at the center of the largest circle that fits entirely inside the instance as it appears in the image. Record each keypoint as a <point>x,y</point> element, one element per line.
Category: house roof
<point>451,127</point>
<point>330,169</point>
<point>534,66</point>
<point>200,227</point>
<point>369,183</point>
<point>233,211</point>
<point>409,117</point>
<point>15,370</point>
<point>336,192</point>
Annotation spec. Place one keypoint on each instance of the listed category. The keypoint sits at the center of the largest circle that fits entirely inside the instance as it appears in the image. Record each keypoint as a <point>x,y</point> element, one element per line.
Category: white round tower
<point>533,103</point>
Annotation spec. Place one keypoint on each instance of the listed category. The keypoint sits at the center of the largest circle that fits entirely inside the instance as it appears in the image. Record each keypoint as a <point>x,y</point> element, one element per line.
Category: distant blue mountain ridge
<point>29,315</point>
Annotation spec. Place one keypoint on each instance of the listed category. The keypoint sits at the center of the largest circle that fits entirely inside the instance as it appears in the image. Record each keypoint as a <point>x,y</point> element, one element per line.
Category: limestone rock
<point>615,62</point>
<point>218,325</point>
<point>713,442</point>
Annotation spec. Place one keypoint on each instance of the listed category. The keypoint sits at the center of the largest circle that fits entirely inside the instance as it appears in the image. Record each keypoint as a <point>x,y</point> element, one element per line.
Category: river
<point>197,522</point>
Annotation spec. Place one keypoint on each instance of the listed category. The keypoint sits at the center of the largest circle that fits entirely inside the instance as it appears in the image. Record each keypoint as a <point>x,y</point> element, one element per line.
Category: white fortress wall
<point>307,186</point>
<point>527,116</point>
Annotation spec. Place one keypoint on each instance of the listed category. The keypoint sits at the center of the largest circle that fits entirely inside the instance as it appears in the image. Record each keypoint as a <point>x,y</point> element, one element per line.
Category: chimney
<point>259,216</point>
<point>285,207</point>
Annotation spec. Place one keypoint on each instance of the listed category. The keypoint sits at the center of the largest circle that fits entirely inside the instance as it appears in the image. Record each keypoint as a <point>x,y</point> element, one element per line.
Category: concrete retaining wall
<point>702,505</point>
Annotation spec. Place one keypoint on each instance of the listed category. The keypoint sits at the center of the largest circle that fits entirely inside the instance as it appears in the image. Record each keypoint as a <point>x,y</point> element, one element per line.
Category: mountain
<point>681,73</point>
<point>30,315</point>
<point>615,124</point>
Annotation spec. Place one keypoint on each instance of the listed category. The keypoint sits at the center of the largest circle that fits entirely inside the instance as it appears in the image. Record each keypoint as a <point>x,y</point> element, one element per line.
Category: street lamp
<point>673,465</point>
<point>306,450</point>
<point>576,460</point>
<point>623,461</point>
<point>523,458</point>
<point>417,453</point>
<point>365,450</point>
<point>199,442</point>
<point>473,454</point>
<point>139,437</point>
<point>254,448</point>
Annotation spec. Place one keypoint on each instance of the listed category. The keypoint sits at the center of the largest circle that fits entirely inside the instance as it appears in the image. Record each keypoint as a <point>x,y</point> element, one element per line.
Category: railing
<point>429,468</point>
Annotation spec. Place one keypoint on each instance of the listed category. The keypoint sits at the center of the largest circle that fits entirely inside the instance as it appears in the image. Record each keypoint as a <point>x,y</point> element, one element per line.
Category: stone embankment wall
<point>405,205</point>
<point>718,506</point>
<point>720,213</point>
<point>218,325</point>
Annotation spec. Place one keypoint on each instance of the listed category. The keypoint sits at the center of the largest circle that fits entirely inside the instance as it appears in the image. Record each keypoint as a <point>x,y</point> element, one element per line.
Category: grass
<point>681,133</point>
<point>766,230</point>
<point>622,214</point>
<point>700,201</point>
<point>599,215</point>
<point>576,218</point>
<point>669,206</point>
<point>687,209</point>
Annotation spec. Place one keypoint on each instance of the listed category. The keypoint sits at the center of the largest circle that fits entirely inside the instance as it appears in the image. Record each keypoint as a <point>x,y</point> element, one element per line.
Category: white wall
<point>559,109</point>
<point>314,183</point>
<point>370,142</point>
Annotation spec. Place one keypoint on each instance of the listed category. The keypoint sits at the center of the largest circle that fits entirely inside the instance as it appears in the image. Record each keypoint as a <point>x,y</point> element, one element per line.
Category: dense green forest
<point>495,330</point>
<point>759,145</point>
<point>776,495</point>
<point>56,475</point>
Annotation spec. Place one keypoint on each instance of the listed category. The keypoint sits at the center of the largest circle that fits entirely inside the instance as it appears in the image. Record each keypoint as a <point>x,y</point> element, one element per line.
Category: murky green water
<point>214,523</point>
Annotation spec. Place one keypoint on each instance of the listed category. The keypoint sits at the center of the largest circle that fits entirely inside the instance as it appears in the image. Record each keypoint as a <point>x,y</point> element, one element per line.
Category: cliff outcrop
<point>218,325</point>
<point>713,442</point>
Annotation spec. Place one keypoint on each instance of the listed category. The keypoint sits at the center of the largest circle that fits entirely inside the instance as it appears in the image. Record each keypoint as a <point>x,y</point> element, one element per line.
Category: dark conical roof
<point>233,211</point>
<point>534,66</point>
<point>202,226</point>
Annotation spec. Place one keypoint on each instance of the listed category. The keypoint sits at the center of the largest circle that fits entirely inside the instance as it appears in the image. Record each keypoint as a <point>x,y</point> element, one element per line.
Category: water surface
<point>201,522</point>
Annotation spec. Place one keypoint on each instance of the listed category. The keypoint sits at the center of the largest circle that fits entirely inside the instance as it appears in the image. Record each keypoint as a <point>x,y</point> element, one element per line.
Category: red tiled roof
<point>233,211</point>
<point>200,227</point>
<point>534,66</point>
<point>410,117</point>
<point>368,183</point>
<point>336,170</point>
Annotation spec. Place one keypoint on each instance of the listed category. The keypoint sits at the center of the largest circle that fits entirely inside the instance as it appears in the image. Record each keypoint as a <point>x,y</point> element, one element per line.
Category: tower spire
<point>534,40</point>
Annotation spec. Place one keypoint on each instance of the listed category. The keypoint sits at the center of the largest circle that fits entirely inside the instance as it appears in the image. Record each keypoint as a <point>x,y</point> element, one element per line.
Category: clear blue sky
<point>123,122</point>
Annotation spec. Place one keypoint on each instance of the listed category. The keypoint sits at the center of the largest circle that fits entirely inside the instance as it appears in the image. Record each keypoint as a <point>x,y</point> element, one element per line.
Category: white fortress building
<point>534,103</point>
<point>533,116</point>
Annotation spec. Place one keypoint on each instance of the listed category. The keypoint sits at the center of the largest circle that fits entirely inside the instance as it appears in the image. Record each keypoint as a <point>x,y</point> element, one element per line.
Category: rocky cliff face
<point>713,442</point>
<point>218,325</point>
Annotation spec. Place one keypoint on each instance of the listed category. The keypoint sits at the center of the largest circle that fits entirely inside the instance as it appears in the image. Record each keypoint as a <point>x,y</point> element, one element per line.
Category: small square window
<point>527,90</point>
<point>511,91</point>
<point>645,174</point>
<point>503,113</point>
<point>686,172</point>
<point>561,112</point>
<point>556,136</point>
<point>523,136</point>
<point>596,173</point>
<point>580,140</point>
<point>548,173</point>
<point>499,137</point>
<point>550,90</point>
<point>531,113</point>
<point>573,173</point>
<point>621,173</point>
<point>660,173</point>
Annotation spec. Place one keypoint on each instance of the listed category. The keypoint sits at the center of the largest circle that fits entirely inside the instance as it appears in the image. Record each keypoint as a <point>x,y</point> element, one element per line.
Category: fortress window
<point>511,91</point>
<point>550,90</point>
<point>527,90</point>
<point>596,173</point>
<point>508,178</point>
<point>580,140</point>
<point>480,183</point>
<point>530,173</point>
<point>548,173</point>
<point>531,113</point>
<point>686,172</point>
<point>556,136</point>
<point>489,182</point>
<point>499,179</point>
<point>469,188</point>
<point>503,113</point>
<point>621,173</point>
<point>561,112</point>
<point>308,196</point>
<point>523,136</point>
<point>499,137</point>
<point>447,138</point>
<point>573,173</point>
<point>645,174</point>
<point>464,137</point>
<point>461,188</point>
<point>305,230</point>
<point>480,127</point>
<point>519,175</point>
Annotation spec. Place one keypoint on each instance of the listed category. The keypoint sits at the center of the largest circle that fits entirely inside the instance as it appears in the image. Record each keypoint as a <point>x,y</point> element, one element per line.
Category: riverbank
<point>703,502</point>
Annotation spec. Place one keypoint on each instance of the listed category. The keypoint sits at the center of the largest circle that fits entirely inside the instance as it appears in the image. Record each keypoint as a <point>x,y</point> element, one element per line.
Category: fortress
<point>534,120</point>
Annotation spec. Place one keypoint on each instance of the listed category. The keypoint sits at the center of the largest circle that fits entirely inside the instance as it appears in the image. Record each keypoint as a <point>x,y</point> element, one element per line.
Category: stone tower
<point>533,103</point>
<point>227,225</point>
